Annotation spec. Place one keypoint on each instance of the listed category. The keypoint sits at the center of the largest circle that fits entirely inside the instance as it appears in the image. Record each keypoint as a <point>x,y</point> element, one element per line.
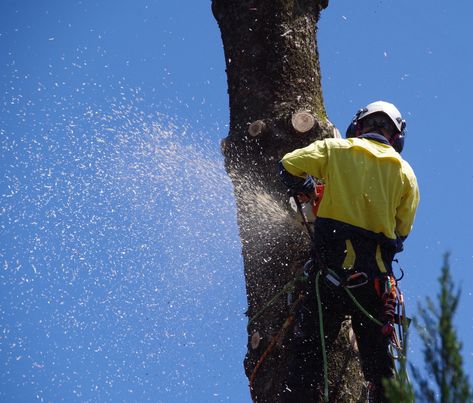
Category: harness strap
<point>350,257</point>
<point>379,260</point>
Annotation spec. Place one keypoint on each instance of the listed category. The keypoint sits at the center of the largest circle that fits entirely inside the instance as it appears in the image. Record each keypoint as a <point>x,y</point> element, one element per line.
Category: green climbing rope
<point>361,308</point>
<point>322,335</point>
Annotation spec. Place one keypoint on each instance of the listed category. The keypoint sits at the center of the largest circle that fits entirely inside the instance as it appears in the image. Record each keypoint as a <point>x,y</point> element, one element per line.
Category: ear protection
<point>354,129</point>
<point>397,141</point>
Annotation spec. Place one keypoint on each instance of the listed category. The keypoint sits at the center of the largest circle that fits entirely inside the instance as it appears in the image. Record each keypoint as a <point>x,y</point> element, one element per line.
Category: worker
<point>366,213</point>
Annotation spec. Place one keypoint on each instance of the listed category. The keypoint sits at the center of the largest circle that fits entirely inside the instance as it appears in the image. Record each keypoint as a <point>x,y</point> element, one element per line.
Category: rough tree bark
<point>276,105</point>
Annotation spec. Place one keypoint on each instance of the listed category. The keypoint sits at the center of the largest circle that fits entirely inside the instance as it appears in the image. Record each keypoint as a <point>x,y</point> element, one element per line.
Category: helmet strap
<point>358,129</point>
<point>394,138</point>
<point>358,123</point>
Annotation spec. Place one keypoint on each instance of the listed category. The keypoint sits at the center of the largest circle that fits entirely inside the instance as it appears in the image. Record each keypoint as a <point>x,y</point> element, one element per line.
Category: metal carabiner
<point>394,351</point>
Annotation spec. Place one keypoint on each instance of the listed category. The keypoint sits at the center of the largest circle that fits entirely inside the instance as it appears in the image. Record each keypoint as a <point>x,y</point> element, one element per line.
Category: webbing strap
<point>350,256</point>
<point>379,260</point>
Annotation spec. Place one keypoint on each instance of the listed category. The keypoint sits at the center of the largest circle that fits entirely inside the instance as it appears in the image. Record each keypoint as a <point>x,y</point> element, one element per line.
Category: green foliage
<point>396,390</point>
<point>442,349</point>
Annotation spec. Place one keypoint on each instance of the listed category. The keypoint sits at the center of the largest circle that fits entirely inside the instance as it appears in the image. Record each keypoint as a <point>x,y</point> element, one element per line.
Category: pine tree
<point>442,349</point>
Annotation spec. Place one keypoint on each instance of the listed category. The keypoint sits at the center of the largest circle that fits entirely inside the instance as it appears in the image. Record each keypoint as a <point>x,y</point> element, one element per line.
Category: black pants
<point>305,379</point>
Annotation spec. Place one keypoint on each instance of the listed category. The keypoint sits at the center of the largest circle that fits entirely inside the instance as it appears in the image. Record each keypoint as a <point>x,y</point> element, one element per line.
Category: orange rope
<point>268,350</point>
<point>275,339</point>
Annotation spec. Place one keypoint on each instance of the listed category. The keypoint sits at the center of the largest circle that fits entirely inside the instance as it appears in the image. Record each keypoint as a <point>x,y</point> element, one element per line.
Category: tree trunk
<point>276,105</point>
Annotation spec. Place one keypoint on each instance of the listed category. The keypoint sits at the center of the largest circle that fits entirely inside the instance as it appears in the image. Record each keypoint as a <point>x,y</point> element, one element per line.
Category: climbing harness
<point>393,310</point>
<point>354,280</point>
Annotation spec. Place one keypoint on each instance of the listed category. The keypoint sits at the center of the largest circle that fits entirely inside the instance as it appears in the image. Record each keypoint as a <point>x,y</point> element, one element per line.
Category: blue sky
<point>120,270</point>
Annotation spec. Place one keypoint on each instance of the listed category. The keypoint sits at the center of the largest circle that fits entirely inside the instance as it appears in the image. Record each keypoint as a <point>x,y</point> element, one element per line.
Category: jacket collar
<point>375,137</point>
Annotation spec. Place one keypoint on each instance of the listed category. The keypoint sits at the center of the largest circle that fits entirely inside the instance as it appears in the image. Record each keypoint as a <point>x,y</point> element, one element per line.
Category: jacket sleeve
<point>310,160</point>
<point>407,208</point>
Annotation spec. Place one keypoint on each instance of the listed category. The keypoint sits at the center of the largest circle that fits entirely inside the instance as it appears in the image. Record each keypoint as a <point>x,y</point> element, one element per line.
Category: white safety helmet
<point>388,109</point>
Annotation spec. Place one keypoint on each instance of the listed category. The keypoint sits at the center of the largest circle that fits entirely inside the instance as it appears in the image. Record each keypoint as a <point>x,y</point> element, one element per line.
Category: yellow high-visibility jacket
<point>367,183</point>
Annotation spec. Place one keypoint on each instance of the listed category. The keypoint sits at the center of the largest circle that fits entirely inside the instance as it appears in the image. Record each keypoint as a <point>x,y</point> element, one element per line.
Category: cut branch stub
<point>255,340</point>
<point>302,122</point>
<point>256,128</point>
<point>223,145</point>
<point>352,338</point>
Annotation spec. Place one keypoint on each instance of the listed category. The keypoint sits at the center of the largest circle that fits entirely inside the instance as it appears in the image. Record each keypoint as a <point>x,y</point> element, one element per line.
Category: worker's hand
<point>309,193</point>
<point>304,191</point>
<point>308,187</point>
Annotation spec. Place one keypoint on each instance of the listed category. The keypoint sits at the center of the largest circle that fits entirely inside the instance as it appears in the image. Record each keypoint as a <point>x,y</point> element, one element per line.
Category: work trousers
<point>305,380</point>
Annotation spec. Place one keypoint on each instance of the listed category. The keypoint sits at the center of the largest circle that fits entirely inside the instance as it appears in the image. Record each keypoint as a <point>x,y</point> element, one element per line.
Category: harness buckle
<point>354,280</point>
<point>334,280</point>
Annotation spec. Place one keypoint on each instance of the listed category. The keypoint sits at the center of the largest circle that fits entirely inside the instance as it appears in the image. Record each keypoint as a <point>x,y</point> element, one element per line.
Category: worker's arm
<point>297,167</point>
<point>407,208</point>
